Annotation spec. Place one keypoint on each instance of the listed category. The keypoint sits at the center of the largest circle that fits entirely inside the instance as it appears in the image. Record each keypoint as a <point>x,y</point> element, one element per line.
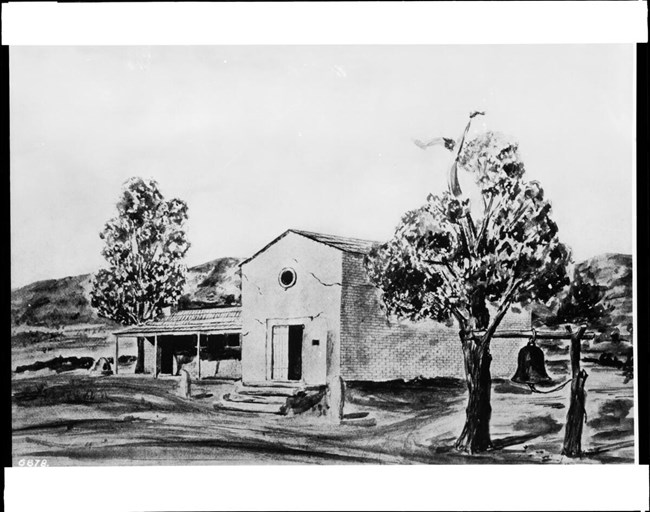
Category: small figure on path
<point>185,384</point>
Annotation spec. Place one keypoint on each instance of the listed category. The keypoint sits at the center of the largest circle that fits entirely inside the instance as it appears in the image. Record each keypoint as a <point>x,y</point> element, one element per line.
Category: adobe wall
<point>314,301</point>
<point>375,347</point>
<point>149,356</point>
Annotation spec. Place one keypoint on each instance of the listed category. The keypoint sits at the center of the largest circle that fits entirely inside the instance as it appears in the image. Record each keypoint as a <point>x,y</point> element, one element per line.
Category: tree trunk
<point>139,363</point>
<point>576,416</point>
<point>475,436</point>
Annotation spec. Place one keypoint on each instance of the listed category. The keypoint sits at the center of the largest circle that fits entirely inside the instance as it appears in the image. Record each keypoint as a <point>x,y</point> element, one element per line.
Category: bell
<point>530,365</point>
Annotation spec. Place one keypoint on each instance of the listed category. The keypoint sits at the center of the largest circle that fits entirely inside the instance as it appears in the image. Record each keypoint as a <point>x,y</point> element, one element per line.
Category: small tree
<point>585,303</point>
<point>144,247</point>
<point>443,263</point>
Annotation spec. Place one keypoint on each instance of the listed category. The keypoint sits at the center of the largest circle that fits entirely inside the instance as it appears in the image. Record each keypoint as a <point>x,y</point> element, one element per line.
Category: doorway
<point>286,352</point>
<point>166,357</point>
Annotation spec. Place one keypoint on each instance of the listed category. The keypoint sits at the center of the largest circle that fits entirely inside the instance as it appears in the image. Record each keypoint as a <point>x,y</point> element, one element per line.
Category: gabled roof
<point>352,245</point>
<point>213,320</point>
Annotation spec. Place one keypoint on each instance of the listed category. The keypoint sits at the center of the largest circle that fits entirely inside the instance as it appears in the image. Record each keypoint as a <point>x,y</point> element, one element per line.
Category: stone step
<point>268,391</point>
<point>359,422</point>
<point>256,399</point>
<point>355,415</point>
<point>274,383</point>
<point>247,407</point>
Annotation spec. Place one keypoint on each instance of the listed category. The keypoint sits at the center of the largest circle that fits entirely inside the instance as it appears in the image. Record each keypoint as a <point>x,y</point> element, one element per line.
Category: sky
<point>259,139</point>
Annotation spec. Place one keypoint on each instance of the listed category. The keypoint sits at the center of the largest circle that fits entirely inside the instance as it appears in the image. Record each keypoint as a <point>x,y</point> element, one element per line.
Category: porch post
<point>198,354</point>
<point>117,353</point>
<point>155,356</point>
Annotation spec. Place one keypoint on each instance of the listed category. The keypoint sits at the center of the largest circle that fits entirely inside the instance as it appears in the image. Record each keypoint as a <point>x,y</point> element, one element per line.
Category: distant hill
<point>215,283</point>
<point>611,276</point>
<point>55,303</point>
<point>65,302</point>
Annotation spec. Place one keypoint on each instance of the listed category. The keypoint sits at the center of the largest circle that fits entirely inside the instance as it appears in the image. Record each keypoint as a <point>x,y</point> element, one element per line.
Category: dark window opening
<point>181,349</point>
<point>287,277</point>
<point>315,343</point>
<point>219,347</point>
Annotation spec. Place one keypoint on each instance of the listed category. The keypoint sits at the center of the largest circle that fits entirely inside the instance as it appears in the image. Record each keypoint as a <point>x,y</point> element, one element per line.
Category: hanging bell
<point>530,365</point>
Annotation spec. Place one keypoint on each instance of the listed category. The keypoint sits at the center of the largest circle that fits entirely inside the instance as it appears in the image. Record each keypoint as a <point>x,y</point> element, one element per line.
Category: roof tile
<point>353,245</point>
<point>191,321</point>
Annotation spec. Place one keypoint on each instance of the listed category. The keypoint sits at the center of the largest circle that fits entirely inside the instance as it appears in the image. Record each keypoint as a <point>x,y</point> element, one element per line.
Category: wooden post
<point>198,355</point>
<point>335,397</point>
<point>117,353</point>
<point>156,360</point>
<point>575,417</point>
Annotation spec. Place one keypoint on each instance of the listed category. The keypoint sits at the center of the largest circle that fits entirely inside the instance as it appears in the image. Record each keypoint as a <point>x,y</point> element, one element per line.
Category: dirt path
<point>129,420</point>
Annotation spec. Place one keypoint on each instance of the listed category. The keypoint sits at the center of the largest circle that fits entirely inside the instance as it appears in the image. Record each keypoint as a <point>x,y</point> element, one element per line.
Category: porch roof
<point>206,321</point>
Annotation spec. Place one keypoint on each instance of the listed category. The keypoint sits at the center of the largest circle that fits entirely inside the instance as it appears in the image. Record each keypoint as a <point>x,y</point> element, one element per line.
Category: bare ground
<point>74,419</point>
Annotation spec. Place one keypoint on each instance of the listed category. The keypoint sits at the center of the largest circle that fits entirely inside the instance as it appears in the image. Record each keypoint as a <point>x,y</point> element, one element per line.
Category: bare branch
<point>462,321</point>
<point>487,213</point>
<point>506,302</point>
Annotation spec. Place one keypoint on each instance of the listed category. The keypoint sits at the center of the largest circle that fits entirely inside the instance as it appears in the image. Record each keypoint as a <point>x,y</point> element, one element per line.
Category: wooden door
<point>280,352</point>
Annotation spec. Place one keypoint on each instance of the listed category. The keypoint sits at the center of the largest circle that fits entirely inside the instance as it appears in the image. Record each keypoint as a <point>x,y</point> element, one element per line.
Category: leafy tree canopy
<point>442,262</point>
<point>144,247</point>
<point>584,302</point>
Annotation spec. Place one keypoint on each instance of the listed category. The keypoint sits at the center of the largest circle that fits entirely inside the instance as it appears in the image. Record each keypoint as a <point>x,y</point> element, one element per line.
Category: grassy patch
<point>40,394</point>
<point>28,338</point>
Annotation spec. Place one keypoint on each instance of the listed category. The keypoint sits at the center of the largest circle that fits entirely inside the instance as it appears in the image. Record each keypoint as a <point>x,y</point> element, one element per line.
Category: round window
<point>287,277</point>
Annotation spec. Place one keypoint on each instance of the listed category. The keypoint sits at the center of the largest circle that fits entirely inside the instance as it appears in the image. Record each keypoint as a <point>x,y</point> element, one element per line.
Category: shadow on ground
<point>74,419</point>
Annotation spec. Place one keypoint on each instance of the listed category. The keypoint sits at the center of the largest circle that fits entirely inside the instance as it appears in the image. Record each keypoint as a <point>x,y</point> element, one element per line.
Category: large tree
<point>456,255</point>
<point>144,247</point>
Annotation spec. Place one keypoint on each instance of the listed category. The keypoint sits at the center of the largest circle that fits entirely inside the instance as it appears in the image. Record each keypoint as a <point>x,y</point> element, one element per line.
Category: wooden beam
<point>198,354</point>
<point>541,335</point>
<point>156,362</point>
<point>178,333</point>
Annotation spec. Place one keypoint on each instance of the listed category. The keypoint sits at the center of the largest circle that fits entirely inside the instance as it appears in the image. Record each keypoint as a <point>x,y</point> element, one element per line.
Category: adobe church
<point>309,310</point>
<point>308,315</point>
